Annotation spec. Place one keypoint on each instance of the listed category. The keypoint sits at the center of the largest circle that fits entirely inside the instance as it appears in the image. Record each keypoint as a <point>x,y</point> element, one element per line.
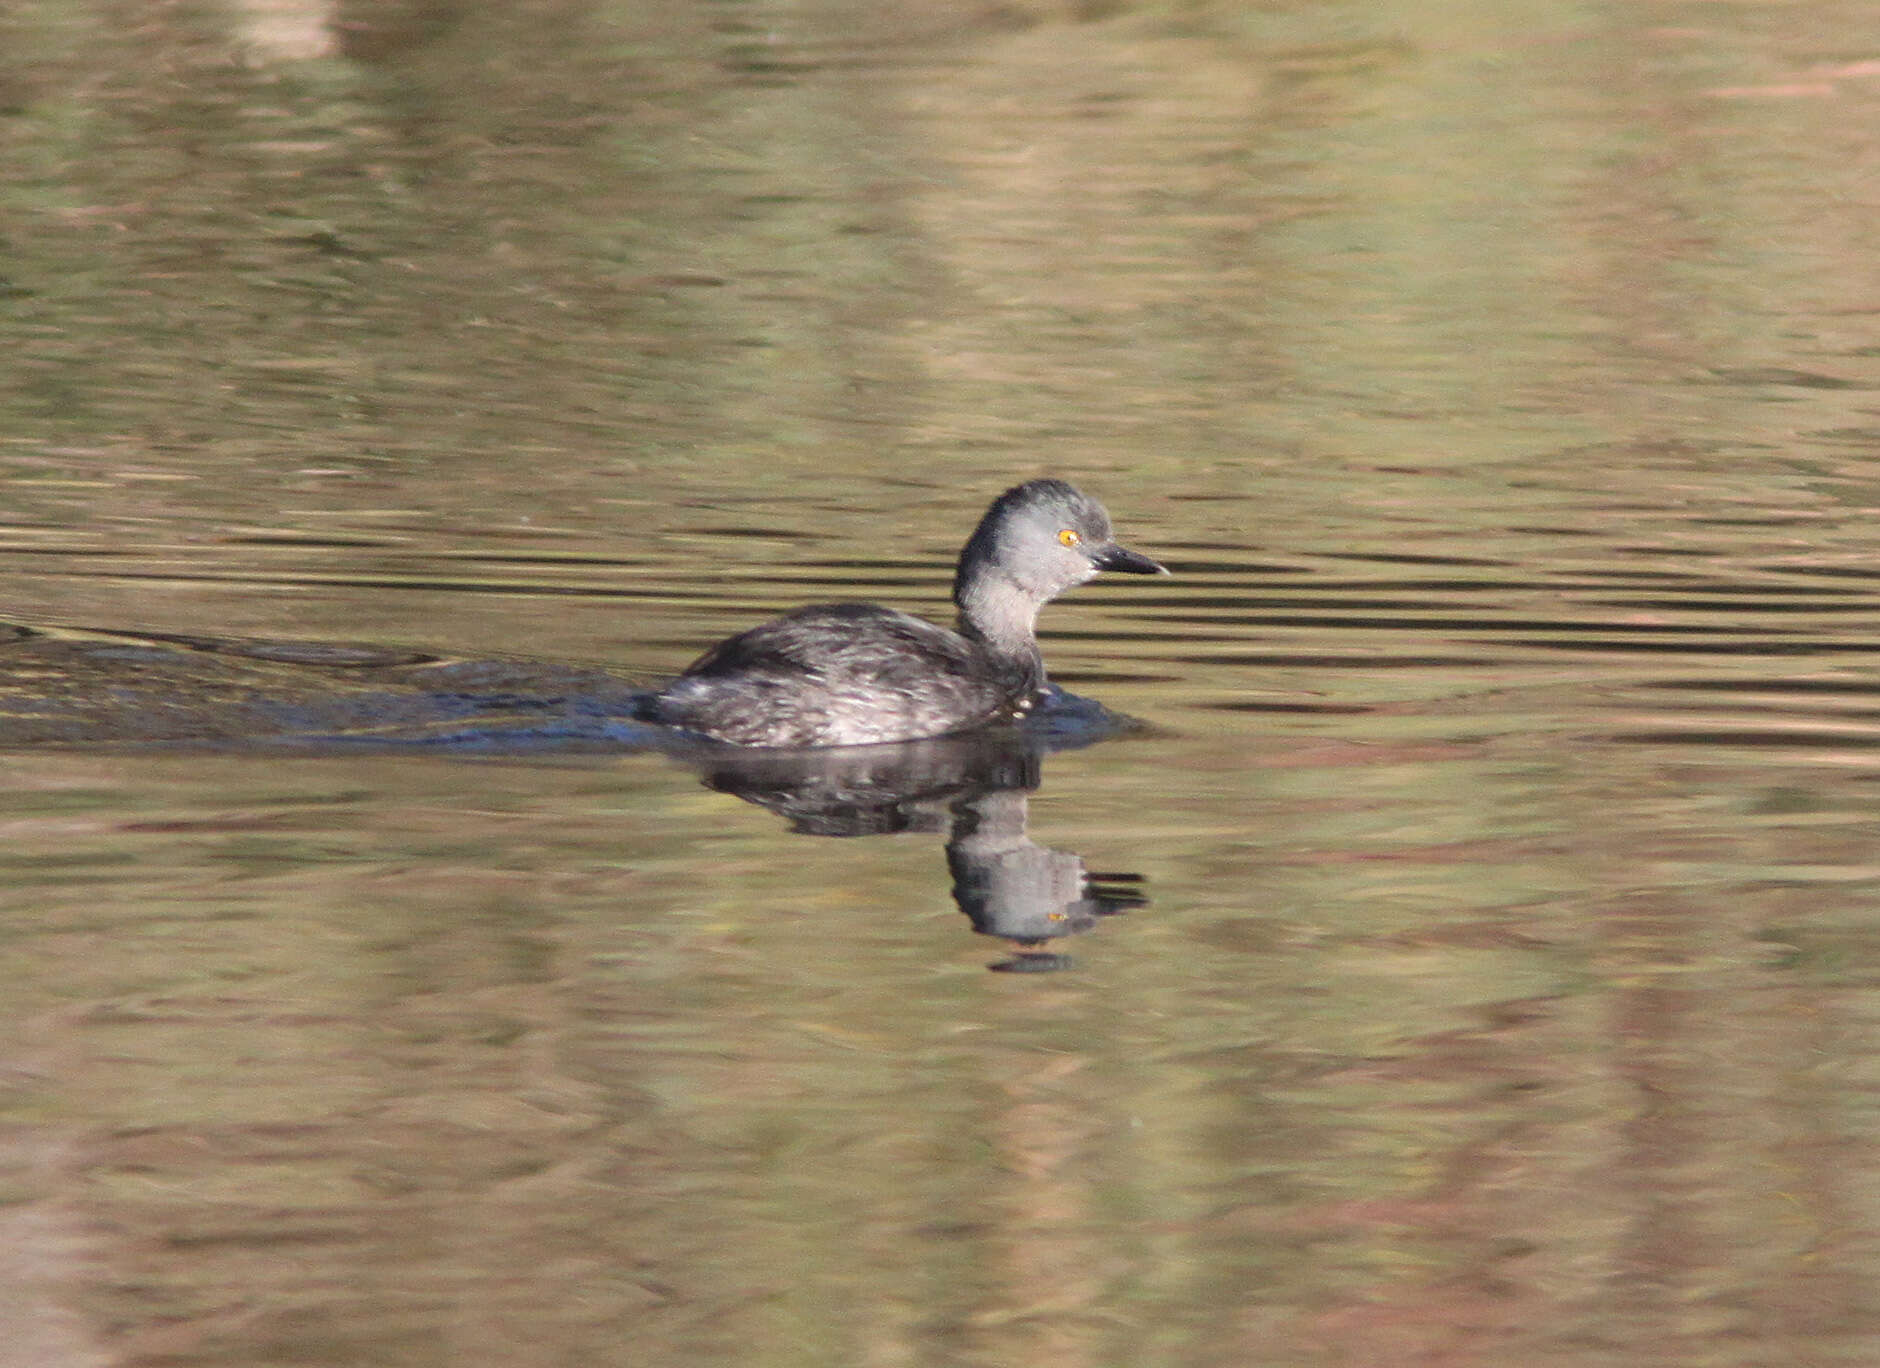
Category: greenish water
<point>1499,383</point>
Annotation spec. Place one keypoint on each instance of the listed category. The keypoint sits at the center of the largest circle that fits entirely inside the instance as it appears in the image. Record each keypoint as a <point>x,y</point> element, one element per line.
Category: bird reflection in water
<point>976,787</point>
<point>78,687</point>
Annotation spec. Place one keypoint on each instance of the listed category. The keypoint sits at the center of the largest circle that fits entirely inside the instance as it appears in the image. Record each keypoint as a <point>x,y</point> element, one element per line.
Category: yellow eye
<point>1069,537</point>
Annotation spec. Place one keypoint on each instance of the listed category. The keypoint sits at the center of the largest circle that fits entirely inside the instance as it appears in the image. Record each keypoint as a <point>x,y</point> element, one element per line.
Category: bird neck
<point>1004,619</point>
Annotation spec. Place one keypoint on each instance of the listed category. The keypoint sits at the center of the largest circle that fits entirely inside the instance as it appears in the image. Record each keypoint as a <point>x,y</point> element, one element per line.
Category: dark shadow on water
<point>89,688</point>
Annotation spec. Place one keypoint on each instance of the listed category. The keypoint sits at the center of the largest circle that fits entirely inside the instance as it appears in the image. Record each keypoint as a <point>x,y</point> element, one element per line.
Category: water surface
<point>1499,383</point>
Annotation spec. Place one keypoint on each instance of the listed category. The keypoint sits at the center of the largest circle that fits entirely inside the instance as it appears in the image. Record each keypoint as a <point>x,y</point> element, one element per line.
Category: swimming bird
<point>852,674</point>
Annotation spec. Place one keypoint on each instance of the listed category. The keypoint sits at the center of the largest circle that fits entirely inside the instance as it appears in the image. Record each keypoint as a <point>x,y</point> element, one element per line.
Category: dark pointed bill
<point>1125,561</point>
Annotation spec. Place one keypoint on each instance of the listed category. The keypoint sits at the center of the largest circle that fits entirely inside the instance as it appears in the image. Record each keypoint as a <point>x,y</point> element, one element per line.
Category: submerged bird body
<point>849,674</point>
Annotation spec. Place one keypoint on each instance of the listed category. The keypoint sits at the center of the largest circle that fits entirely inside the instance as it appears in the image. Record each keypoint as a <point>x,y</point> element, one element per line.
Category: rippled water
<point>1468,958</point>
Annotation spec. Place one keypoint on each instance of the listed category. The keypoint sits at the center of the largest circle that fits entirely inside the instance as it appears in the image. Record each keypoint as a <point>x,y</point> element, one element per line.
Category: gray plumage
<point>850,674</point>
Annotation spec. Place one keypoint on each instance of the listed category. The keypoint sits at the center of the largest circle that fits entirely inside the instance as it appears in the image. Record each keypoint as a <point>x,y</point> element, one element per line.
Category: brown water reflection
<point>1498,382</point>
